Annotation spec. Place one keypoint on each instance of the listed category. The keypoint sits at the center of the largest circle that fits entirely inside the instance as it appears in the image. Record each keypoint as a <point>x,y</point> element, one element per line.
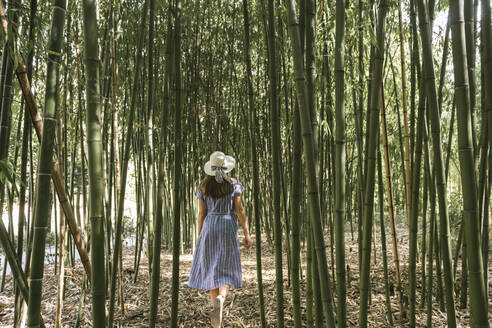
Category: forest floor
<point>241,307</point>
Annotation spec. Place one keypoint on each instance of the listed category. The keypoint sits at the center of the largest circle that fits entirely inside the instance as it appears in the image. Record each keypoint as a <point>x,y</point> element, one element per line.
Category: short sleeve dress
<point>217,259</point>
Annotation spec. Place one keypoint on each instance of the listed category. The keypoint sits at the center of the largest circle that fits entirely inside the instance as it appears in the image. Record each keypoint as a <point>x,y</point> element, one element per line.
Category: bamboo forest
<point>358,130</point>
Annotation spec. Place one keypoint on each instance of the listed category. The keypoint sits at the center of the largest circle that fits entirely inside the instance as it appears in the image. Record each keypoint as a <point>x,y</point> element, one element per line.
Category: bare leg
<point>213,294</point>
<point>223,290</point>
<point>218,302</point>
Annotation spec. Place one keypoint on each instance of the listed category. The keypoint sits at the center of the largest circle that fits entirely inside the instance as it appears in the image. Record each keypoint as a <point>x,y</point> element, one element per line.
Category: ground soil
<point>241,307</point>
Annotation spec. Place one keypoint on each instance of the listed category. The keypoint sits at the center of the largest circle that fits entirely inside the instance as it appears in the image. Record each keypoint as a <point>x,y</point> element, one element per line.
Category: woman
<point>216,265</point>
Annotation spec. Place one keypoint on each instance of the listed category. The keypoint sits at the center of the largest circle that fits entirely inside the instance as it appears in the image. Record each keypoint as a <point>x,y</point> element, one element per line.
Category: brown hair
<point>212,188</point>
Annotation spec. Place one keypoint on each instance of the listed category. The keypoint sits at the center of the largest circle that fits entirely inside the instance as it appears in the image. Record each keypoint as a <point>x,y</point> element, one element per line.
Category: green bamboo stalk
<point>444,62</point>
<point>6,88</point>
<point>177,162</point>
<point>407,167</point>
<point>318,306</point>
<point>4,145</point>
<point>295,214</point>
<point>463,290</point>
<point>113,167</point>
<point>256,186</point>
<point>124,165</point>
<point>13,261</point>
<point>478,303</point>
<point>487,69</point>
<point>309,274</point>
<point>25,140</point>
<point>6,108</point>
<point>161,168</point>
<point>432,196</point>
<point>95,163</point>
<point>414,209</point>
<point>359,131</point>
<point>425,194</point>
<point>81,303</point>
<point>276,162</point>
<point>310,69</point>
<point>376,85</point>
<point>450,139</point>
<point>389,313</point>
<point>470,48</point>
<point>309,151</point>
<point>43,202</point>
<point>430,87</point>
<point>22,77</point>
<point>340,163</point>
<point>391,209</point>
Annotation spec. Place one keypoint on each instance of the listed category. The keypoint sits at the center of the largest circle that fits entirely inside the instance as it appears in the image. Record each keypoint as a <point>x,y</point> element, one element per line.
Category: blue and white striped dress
<point>217,260</point>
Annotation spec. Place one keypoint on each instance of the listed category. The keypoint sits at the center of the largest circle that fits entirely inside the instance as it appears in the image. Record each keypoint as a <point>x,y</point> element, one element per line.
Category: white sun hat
<point>218,160</point>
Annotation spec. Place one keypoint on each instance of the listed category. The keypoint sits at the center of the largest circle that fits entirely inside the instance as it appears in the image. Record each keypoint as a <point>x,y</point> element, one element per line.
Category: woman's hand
<point>247,241</point>
<point>243,220</point>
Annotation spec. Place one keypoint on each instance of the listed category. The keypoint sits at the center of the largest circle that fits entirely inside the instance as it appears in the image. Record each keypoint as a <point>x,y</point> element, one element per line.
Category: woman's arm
<point>202,213</point>
<point>243,220</point>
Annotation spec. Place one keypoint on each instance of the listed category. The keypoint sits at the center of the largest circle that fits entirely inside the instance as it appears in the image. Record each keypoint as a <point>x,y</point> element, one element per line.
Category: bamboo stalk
<point>429,78</point>
<point>309,151</point>
<point>45,166</point>
<point>466,144</point>
<point>389,192</point>
<point>340,198</point>
<point>256,186</point>
<point>406,134</point>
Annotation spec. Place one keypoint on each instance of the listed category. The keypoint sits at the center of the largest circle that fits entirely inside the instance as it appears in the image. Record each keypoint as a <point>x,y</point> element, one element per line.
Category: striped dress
<point>217,259</point>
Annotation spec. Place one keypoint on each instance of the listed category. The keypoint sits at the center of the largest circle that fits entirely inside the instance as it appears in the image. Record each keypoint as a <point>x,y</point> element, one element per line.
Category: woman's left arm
<point>202,213</point>
<point>243,220</point>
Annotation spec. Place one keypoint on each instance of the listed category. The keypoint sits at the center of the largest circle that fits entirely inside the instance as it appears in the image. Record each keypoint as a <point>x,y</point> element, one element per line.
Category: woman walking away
<point>216,263</point>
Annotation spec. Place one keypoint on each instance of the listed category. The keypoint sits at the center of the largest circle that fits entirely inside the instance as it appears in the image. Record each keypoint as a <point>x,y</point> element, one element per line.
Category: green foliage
<point>455,207</point>
<point>7,173</point>
<point>128,227</point>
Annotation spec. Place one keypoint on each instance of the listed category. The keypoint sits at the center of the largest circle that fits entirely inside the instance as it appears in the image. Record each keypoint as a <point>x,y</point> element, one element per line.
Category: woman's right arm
<point>202,213</point>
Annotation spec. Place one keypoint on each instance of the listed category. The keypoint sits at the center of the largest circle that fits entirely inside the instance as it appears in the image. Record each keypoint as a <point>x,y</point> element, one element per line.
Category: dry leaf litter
<point>241,308</point>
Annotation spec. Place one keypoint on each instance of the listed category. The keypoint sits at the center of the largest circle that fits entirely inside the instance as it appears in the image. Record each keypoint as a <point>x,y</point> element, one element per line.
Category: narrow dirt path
<point>241,307</point>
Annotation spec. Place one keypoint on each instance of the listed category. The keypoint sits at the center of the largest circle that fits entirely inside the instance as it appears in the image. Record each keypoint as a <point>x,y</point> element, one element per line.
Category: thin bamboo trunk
<point>61,247</point>
<point>309,151</point>
<point>6,117</point>
<point>95,161</point>
<point>25,148</point>
<point>374,108</point>
<point>430,265</point>
<point>359,131</point>
<point>124,166</point>
<point>58,183</point>
<point>412,259</point>
<point>389,312</point>
<point>43,202</point>
<point>469,45</point>
<point>406,134</point>
<point>158,217</point>
<point>115,129</point>
<point>487,68</point>
<point>276,158</point>
<point>309,275</point>
<point>177,162</point>
<point>391,212</point>
<point>256,187</point>
<point>429,77</point>
<point>478,303</point>
<point>340,164</point>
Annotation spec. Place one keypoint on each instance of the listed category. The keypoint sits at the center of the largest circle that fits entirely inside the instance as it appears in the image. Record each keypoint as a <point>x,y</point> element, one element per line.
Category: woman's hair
<point>212,188</point>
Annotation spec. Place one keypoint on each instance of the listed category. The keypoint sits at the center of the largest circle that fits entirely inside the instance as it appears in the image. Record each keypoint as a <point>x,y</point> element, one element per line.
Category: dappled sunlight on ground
<point>241,307</point>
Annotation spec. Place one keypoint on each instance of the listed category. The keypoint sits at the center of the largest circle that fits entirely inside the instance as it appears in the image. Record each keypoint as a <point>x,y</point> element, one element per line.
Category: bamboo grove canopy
<point>360,129</point>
